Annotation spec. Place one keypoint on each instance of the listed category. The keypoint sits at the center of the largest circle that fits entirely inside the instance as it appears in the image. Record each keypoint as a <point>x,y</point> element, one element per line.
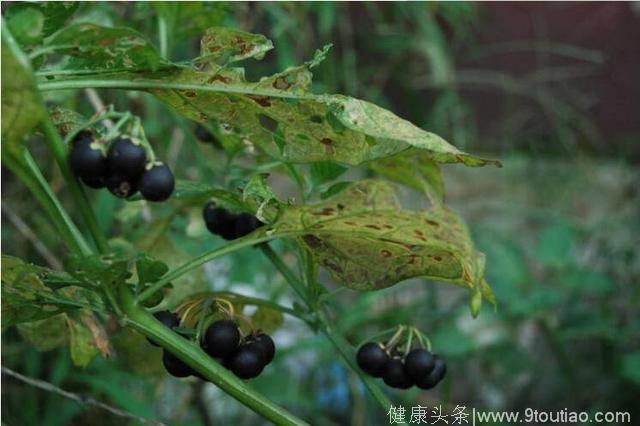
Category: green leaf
<point>45,334</point>
<point>56,14</point>
<point>322,172</point>
<point>259,188</point>
<point>367,241</point>
<point>414,169</point>
<point>82,344</point>
<point>21,108</point>
<point>149,270</point>
<point>25,298</point>
<point>334,189</point>
<point>267,320</point>
<point>99,270</point>
<point>26,22</point>
<point>94,47</point>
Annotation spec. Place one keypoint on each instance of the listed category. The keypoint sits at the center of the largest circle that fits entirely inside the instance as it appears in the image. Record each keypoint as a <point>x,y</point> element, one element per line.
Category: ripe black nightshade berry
<point>394,375</point>
<point>157,183</point>
<point>169,319</point>
<point>121,186</point>
<point>219,221</point>
<point>245,224</point>
<point>436,375</point>
<point>175,366</point>
<point>126,159</point>
<point>265,344</point>
<point>87,162</point>
<point>247,362</point>
<point>372,359</point>
<point>418,364</point>
<point>221,338</point>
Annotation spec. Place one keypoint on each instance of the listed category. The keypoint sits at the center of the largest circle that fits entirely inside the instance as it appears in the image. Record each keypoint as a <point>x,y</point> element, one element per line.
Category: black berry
<point>175,366</point>
<point>394,375</point>
<point>94,182</point>
<point>126,159</point>
<point>157,183</point>
<point>169,319</point>
<point>372,359</point>
<point>435,376</point>
<point>247,362</point>
<point>121,186</point>
<point>221,338</point>
<point>265,344</point>
<point>418,364</point>
<point>245,224</point>
<point>219,221</point>
<point>87,162</point>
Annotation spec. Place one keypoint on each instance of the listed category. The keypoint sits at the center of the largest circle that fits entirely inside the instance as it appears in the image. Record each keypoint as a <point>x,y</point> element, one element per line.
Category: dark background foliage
<point>549,88</point>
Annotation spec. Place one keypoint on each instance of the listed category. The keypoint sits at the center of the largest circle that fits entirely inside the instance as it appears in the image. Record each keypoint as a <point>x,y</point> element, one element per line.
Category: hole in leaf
<point>268,123</point>
<point>316,119</point>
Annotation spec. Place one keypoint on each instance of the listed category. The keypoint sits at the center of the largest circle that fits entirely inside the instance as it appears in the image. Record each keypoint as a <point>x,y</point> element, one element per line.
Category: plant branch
<point>208,256</point>
<point>144,84</point>
<point>84,401</point>
<point>255,301</point>
<point>339,342</point>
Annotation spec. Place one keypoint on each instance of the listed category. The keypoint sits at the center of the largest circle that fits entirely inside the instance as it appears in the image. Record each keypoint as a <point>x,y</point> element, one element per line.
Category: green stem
<point>162,36</point>
<point>339,342</point>
<point>255,301</point>
<point>204,258</point>
<point>190,353</point>
<point>288,275</point>
<point>27,170</point>
<point>57,147</point>
<point>142,84</point>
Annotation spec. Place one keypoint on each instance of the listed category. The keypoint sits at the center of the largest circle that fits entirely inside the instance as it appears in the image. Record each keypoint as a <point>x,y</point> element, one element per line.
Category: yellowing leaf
<point>278,114</point>
<point>367,241</point>
<point>21,108</point>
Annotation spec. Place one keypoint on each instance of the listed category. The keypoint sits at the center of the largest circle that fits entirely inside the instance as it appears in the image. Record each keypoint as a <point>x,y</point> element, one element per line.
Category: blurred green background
<point>551,89</point>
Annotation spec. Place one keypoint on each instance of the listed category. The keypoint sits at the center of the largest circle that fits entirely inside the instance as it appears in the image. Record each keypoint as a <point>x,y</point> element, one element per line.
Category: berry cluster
<point>419,367</point>
<point>245,356</point>
<point>123,169</point>
<point>228,225</point>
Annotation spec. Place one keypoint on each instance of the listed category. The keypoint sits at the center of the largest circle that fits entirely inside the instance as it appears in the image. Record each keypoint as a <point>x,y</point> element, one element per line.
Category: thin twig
<point>96,102</point>
<point>24,229</point>
<point>82,400</point>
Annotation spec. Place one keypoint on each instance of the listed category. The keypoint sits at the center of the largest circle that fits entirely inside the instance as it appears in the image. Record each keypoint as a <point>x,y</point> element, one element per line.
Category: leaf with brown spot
<point>333,127</point>
<point>373,255</point>
<point>231,45</point>
<point>96,47</point>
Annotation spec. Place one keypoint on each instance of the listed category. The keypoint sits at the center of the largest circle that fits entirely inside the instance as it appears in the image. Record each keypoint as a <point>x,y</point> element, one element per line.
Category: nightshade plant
<point>357,231</point>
